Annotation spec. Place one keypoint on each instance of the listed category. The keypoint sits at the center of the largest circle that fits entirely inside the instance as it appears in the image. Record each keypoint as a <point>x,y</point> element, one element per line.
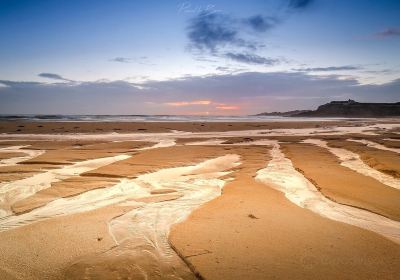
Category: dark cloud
<point>121,59</point>
<point>389,32</point>
<point>211,32</point>
<point>19,84</point>
<point>261,23</point>
<point>207,31</point>
<point>259,91</point>
<point>299,4</point>
<point>53,76</point>
<point>330,68</point>
<point>250,58</point>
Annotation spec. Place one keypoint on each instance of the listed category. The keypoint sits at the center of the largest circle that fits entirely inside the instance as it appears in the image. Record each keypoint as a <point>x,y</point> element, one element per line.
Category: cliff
<point>352,108</point>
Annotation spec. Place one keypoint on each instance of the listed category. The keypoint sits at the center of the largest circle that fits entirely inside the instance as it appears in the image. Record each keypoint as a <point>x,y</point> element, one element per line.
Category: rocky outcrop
<point>352,108</point>
<point>349,108</point>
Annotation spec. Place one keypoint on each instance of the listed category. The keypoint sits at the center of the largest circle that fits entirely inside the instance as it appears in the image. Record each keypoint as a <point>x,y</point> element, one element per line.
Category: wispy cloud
<point>227,107</point>
<point>121,59</point>
<point>230,69</point>
<point>188,103</point>
<point>388,32</point>
<point>251,58</point>
<point>189,8</point>
<point>54,76</point>
<point>139,60</point>
<point>329,68</point>
<point>209,103</point>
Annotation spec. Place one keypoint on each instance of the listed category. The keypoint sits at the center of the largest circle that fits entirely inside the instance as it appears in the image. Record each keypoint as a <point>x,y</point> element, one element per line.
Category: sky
<point>216,57</point>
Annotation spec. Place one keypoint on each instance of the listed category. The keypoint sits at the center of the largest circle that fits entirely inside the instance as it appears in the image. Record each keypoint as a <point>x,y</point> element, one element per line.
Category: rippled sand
<point>102,205</point>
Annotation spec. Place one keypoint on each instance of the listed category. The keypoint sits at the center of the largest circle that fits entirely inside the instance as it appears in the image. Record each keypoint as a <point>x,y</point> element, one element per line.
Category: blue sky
<point>195,57</point>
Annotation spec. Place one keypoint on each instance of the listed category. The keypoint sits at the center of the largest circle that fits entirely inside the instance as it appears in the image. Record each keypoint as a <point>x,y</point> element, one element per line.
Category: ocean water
<point>155,118</point>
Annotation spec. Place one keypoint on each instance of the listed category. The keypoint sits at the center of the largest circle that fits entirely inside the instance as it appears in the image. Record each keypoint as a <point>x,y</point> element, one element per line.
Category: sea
<point>155,118</point>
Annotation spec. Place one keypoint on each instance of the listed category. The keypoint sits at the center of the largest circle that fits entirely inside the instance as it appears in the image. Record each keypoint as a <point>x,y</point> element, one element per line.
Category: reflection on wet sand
<point>162,196</point>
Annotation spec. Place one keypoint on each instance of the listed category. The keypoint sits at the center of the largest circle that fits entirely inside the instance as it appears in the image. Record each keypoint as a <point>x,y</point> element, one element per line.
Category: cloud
<point>189,8</point>
<point>299,4</point>
<point>230,69</point>
<point>330,68</point>
<point>209,103</point>
<point>121,59</point>
<point>250,58</point>
<point>224,69</point>
<point>381,71</point>
<point>140,60</point>
<point>188,103</point>
<point>388,32</point>
<point>227,107</point>
<point>210,32</point>
<point>53,77</point>
<point>251,92</point>
<point>261,23</point>
<point>207,31</point>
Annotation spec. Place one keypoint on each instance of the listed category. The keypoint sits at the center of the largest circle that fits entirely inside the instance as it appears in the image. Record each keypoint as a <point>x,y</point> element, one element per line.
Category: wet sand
<point>44,250</point>
<point>21,127</point>
<point>342,184</point>
<point>382,160</point>
<point>142,162</point>
<point>254,232</point>
<point>65,188</point>
<point>114,220</point>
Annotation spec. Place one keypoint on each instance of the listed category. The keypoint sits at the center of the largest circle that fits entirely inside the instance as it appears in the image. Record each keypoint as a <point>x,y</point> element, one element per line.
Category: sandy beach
<point>200,200</point>
<point>198,140</point>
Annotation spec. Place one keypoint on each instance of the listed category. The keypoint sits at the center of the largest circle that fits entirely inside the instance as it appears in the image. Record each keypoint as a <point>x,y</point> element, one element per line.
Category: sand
<point>254,232</point>
<point>43,250</point>
<point>354,162</point>
<point>141,127</point>
<point>143,251</point>
<point>342,184</point>
<point>65,188</point>
<point>15,191</point>
<point>282,175</point>
<point>332,218</point>
<point>382,160</point>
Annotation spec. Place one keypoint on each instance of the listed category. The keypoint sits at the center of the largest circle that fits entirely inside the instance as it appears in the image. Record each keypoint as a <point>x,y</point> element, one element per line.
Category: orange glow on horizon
<point>188,103</point>
<point>227,107</point>
<point>213,108</point>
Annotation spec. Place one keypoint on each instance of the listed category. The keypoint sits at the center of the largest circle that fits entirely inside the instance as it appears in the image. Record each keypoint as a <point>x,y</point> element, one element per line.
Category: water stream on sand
<point>375,145</point>
<point>142,234</point>
<point>281,175</point>
<point>20,189</point>
<point>168,196</point>
<point>18,149</point>
<point>353,161</point>
<point>162,198</point>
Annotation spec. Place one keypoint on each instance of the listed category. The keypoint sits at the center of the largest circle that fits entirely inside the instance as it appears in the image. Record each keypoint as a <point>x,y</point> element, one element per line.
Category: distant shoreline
<point>120,127</point>
<point>171,118</point>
